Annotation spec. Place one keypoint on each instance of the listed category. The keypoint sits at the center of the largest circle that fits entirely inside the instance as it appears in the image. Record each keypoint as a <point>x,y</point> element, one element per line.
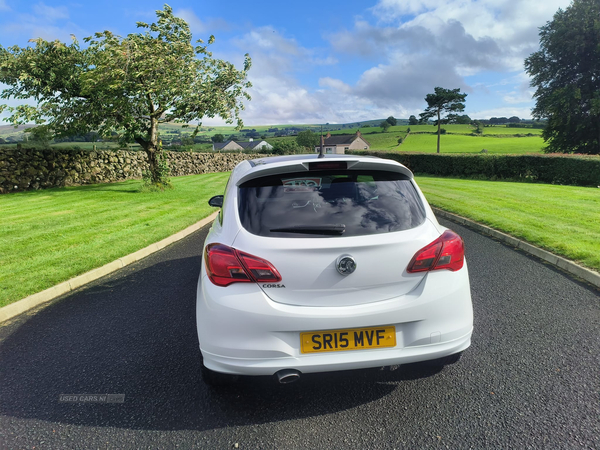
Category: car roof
<point>303,156</point>
<point>260,167</point>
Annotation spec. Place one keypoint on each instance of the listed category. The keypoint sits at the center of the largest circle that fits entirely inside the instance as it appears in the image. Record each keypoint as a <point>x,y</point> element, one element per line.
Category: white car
<point>319,264</point>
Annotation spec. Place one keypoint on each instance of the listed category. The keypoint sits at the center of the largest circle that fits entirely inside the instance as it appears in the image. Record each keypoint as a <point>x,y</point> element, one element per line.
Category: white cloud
<point>50,14</point>
<point>512,25</point>
<point>503,111</point>
<point>198,25</point>
<point>420,44</point>
<point>337,85</point>
<point>397,8</point>
<point>47,22</point>
<point>521,93</point>
<point>278,97</point>
<point>4,6</point>
<point>395,57</point>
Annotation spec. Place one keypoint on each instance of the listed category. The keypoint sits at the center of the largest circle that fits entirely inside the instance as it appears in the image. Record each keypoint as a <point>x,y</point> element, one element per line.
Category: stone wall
<point>25,169</point>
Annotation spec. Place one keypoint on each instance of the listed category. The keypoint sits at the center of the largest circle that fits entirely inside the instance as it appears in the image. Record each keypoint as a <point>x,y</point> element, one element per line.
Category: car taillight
<point>226,265</point>
<point>446,252</point>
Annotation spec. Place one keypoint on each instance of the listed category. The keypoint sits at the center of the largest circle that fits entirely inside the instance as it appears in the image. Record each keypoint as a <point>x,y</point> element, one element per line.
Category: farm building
<point>339,143</point>
<point>250,145</point>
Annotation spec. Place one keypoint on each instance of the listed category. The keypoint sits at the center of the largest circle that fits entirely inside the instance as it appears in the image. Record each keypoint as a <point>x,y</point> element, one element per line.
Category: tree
<point>218,138</point>
<point>127,85</point>
<point>286,147</point>
<point>459,119</point>
<point>187,140</point>
<point>307,139</point>
<point>40,134</point>
<point>443,101</point>
<point>565,72</point>
<point>412,120</point>
<point>498,120</point>
<point>392,121</point>
<point>384,126</point>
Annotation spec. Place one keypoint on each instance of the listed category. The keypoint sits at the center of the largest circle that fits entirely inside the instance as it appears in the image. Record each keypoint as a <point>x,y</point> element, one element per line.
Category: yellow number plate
<point>351,339</point>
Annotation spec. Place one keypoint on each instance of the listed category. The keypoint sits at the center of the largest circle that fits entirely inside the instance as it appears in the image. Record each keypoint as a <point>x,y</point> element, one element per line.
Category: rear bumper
<point>241,331</point>
<point>328,362</point>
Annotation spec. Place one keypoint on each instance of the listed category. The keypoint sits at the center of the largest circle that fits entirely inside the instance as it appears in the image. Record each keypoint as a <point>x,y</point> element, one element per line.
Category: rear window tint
<point>329,204</point>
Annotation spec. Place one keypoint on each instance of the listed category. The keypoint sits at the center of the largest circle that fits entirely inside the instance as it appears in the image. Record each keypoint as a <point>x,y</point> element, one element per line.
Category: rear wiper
<point>330,230</point>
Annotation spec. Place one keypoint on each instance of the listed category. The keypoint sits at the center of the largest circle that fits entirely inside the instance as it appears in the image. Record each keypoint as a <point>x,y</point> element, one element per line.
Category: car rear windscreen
<point>329,204</point>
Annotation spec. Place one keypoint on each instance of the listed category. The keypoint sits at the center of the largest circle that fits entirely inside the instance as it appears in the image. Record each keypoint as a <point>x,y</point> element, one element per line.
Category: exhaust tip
<point>287,376</point>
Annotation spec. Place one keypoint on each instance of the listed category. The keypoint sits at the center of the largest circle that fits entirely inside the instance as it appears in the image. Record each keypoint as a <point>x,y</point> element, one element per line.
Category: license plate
<point>350,339</point>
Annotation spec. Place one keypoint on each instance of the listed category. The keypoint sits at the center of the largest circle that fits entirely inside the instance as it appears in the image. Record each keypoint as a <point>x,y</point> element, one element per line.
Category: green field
<point>458,139</point>
<point>564,220</point>
<point>52,235</point>
<point>457,143</point>
<point>374,135</point>
<point>468,129</point>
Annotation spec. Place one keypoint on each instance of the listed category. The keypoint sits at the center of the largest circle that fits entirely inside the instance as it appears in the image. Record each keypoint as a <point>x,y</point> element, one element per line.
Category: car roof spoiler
<point>301,165</point>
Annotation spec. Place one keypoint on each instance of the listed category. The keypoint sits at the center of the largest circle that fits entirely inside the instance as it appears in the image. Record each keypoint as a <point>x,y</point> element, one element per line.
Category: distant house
<point>339,143</point>
<point>250,145</point>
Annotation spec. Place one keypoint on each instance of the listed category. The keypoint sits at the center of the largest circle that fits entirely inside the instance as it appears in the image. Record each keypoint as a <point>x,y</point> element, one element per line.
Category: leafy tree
<point>565,72</point>
<point>391,120</point>
<point>498,120</point>
<point>412,120</point>
<point>459,119</point>
<point>443,101</point>
<point>384,126</point>
<point>286,147</point>
<point>218,138</point>
<point>514,119</point>
<point>91,136</point>
<point>187,140</point>
<point>307,139</point>
<point>40,134</point>
<point>126,84</point>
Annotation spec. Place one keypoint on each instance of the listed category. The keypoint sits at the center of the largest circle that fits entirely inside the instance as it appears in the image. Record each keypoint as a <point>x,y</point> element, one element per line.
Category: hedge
<point>573,170</point>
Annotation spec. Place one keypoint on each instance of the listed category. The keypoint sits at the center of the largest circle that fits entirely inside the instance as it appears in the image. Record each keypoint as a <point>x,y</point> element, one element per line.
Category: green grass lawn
<point>53,235</point>
<point>562,219</point>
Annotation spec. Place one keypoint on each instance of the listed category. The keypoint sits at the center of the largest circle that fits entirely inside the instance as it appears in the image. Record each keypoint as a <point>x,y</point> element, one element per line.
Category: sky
<point>333,61</point>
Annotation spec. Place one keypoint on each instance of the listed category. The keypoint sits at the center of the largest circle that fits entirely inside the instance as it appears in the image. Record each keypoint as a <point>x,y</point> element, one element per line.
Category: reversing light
<point>446,252</point>
<point>226,265</point>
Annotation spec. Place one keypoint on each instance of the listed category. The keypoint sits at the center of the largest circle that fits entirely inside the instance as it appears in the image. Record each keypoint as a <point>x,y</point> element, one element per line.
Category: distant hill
<point>10,133</point>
